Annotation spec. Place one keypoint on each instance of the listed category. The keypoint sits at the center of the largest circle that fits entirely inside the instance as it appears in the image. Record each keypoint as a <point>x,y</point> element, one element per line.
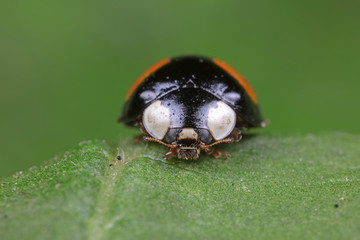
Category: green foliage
<point>302,187</point>
<point>66,66</point>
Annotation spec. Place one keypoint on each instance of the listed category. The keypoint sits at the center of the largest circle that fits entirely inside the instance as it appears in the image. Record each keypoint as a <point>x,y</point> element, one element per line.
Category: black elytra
<point>189,86</point>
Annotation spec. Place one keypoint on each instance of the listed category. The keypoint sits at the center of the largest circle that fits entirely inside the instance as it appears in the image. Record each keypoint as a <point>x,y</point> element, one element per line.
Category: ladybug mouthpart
<point>188,153</point>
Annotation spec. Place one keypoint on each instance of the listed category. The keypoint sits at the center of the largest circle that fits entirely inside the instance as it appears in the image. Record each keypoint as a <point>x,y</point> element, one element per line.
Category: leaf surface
<point>272,187</point>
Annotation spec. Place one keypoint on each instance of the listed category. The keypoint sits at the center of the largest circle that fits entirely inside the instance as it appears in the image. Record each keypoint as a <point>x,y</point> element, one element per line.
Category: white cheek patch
<point>156,120</point>
<point>221,120</point>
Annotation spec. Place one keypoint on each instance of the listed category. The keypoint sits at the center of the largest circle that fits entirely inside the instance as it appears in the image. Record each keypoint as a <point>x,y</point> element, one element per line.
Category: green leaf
<point>272,187</point>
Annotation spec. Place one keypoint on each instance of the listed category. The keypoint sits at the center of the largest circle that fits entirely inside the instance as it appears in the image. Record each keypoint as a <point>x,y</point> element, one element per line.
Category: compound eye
<point>221,120</point>
<point>156,120</point>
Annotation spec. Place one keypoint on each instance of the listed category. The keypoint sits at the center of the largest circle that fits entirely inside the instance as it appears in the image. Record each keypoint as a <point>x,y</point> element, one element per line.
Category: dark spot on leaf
<point>118,157</point>
<point>110,165</point>
<point>336,205</point>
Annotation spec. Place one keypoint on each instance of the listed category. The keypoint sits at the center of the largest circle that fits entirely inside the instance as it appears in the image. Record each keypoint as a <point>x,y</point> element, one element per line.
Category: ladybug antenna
<point>226,140</point>
<point>150,139</point>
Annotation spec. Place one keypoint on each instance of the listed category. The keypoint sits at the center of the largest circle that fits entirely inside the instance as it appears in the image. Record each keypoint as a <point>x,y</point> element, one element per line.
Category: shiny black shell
<point>186,85</point>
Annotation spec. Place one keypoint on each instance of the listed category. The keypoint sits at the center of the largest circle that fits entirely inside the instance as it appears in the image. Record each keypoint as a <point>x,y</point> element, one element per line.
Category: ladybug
<point>189,104</point>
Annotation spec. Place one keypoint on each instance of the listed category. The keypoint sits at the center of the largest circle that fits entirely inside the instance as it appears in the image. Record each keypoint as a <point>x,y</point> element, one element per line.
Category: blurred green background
<point>65,66</point>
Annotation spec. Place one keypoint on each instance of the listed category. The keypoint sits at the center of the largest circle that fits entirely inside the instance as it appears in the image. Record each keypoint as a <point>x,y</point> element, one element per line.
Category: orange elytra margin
<point>241,80</point>
<point>149,71</point>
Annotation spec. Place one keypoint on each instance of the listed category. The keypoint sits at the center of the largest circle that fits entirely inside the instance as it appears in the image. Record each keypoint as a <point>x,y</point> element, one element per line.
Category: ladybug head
<point>188,128</point>
<point>188,144</point>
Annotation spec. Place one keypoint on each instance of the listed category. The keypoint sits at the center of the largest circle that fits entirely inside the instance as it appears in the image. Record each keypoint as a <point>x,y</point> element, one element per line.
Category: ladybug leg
<point>170,153</point>
<point>235,135</point>
<point>216,152</point>
<point>208,150</point>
